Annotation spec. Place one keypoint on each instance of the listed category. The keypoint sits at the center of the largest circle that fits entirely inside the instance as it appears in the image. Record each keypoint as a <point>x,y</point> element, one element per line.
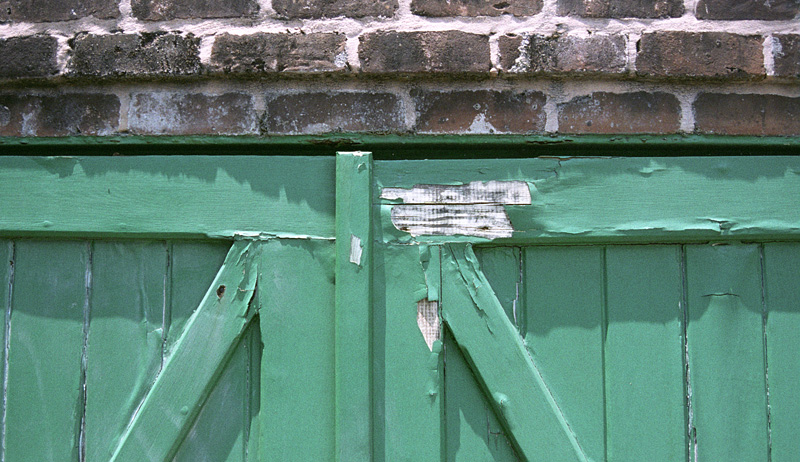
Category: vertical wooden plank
<point>408,416</point>
<point>124,341</point>
<point>45,403</point>
<point>193,265</point>
<point>782,281</point>
<point>353,306</point>
<point>296,298</point>
<point>218,433</point>
<point>726,352</point>
<point>564,313</point>
<point>473,430</point>
<point>502,266</point>
<point>644,354</point>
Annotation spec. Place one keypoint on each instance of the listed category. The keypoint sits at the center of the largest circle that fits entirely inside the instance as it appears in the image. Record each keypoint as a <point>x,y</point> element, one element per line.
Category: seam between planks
<point>764,315</point>
<point>691,434</point>
<point>87,306</point>
<point>6,346</point>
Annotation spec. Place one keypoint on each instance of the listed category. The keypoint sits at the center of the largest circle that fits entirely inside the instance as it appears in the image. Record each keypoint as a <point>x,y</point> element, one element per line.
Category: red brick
<point>61,10</point>
<point>607,113</point>
<point>134,54</point>
<point>59,115</point>
<point>310,113</point>
<point>441,8</point>
<point>786,55</point>
<point>314,9</point>
<point>279,53</point>
<point>414,52</point>
<point>167,113</point>
<point>621,8</point>
<point>165,10</point>
<point>747,9</point>
<point>539,54</point>
<point>481,111</point>
<point>747,114</point>
<point>716,55</point>
<point>32,56</point>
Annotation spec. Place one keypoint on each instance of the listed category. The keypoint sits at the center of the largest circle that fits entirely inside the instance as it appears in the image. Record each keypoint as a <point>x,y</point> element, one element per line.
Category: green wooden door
<point>254,308</point>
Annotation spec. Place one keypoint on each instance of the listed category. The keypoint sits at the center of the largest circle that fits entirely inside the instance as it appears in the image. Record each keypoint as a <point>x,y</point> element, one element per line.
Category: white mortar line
<point>206,44</point>
<point>769,55</point>
<point>124,108</point>
<point>686,99</point>
<point>409,108</point>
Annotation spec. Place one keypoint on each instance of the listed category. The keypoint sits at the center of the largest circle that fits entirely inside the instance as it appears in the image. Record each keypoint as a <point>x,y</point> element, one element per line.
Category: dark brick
<point>63,115</point>
<point>313,9</point>
<point>441,8</point>
<point>131,54</point>
<point>164,10</point>
<point>479,111</point>
<point>638,112</point>
<point>747,9</point>
<point>703,54</point>
<point>734,114</point>
<point>309,113</point>
<point>408,52</point>
<point>168,113</point>
<point>597,54</point>
<point>279,53</point>
<point>33,56</point>
<point>621,8</point>
<point>56,10</point>
<point>786,53</point>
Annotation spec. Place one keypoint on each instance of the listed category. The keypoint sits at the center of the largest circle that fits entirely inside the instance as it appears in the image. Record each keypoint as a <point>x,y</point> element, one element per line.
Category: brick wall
<point>283,67</point>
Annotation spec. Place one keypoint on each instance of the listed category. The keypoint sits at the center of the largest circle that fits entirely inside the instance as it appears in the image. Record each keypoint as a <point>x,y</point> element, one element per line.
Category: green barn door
<point>627,310</point>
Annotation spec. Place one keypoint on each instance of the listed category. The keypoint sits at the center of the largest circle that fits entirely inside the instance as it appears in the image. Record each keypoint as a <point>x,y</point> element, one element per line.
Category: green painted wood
<point>197,196</point>
<point>44,401</point>
<point>218,435</point>
<point>407,379</point>
<point>503,268</point>
<point>296,297</point>
<point>782,297</point>
<point>353,310</point>
<point>193,265</point>
<point>564,296</point>
<point>473,430</point>
<point>580,200</point>
<point>124,341</point>
<point>645,400</point>
<point>520,393</point>
<point>726,352</point>
<point>190,372</point>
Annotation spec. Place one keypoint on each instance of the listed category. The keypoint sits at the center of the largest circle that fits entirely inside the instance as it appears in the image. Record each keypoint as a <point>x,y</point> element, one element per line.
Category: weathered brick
<point>62,115</point>
<point>441,8</point>
<point>702,54</point>
<point>57,10</point>
<point>132,54</point>
<point>621,8</point>
<point>164,10</point>
<point>786,55</point>
<point>172,113</point>
<point>479,111</point>
<point>638,112</point>
<point>409,52</point>
<point>310,113</point>
<point>747,114</point>
<point>33,56</point>
<point>314,9</point>
<point>532,54</point>
<point>747,9</point>
<point>279,53</point>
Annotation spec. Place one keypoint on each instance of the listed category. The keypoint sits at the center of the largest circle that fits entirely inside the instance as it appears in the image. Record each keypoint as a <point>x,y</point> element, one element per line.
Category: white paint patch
<point>486,221</point>
<point>428,321</point>
<point>476,192</point>
<point>474,209</point>
<point>356,249</point>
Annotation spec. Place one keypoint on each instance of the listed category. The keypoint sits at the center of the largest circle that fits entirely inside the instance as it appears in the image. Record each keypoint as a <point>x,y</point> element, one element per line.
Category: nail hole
<point>220,291</point>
